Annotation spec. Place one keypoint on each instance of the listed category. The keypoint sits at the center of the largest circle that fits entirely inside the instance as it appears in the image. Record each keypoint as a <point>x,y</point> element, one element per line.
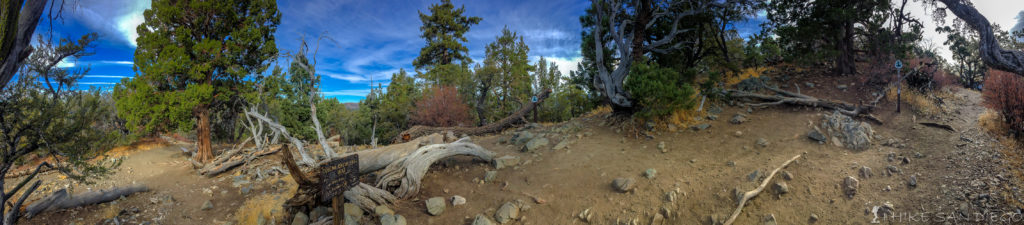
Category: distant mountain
<point>352,106</point>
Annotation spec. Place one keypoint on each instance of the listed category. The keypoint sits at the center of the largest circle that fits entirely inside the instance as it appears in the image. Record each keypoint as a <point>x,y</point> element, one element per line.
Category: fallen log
<point>368,197</point>
<point>62,200</point>
<point>233,160</point>
<point>938,125</point>
<point>405,174</point>
<point>786,97</point>
<point>753,193</point>
<point>497,126</point>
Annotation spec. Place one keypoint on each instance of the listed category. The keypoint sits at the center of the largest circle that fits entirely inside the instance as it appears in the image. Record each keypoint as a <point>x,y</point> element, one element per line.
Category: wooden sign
<point>337,176</point>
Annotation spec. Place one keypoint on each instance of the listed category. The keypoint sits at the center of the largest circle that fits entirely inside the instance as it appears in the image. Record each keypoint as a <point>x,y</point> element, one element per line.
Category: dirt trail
<point>957,172</point>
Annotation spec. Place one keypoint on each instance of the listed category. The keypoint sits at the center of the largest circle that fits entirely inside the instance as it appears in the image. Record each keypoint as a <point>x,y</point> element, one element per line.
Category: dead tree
<point>19,23</point>
<point>404,175</point>
<point>497,126</point>
<point>610,83</point>
<point>785,97</point>
<point>991,53</point>
<point>278,128</point>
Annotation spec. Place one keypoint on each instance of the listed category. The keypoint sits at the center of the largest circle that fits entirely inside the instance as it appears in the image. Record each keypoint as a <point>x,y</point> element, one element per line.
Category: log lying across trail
<point>786,97</point>
<point>497,126</point>
<point>60,199</point>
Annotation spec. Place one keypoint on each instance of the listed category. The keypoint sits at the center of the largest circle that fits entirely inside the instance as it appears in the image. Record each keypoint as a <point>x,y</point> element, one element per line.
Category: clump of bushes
<point>925,75</point>
<point>1004,93</point>
<point>441,107</point>
<point>657,90</point>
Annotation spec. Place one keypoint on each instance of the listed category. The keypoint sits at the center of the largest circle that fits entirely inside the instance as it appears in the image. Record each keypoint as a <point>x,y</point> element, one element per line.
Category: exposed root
<point>368,197</point>
<point>751,194</point>
<point>407,173</point>
<point>786,97</point>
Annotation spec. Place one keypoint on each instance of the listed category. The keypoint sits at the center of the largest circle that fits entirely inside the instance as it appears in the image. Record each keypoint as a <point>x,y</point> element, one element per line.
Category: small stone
<point>670,196</point>
<point>490,175</point>
<point>382,210</point>
<point>738,133</point>
<point>713,220</point>
<point>623,184</point>
<point>865,172</point>
<point>809,84</point>
<point>781,187</point>
<point>561,145</point>
<point>842,87</point>
<point>649,173</point>
<point>207,205</point>
<point>850,186</point>
<point>535,144</point>
<point>662,148</point>
<point>786,175</point>
<point>508,212</point>
<point>770,220</point>
<point>813,218</point>
<point>389,219</point>
<point>892,170</point>
<point>762,142</point>
<point>482,220</point>
<point>323,211</point>
<point>300,219</point>
<point>658,219</point>
<point>738,118</point>
<point>712,117</point>
<point>754,175</point>
<point>913,181</point>
<point>816,135</point>
<point>458,200</point>
<point>435,205</point>
<point>905,160</point>
<point>506,161</point>
<point>700,127</point>
<point>730,163</point>
<point>586,215</point>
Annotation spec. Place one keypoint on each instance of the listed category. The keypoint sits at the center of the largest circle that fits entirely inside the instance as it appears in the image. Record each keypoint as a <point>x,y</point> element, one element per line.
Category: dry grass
<point>110,211</point>
<point>268,205</point>
<point>919,102</point>
<point>599,110</point>
<point>733,79</point>
<point>993,123</point>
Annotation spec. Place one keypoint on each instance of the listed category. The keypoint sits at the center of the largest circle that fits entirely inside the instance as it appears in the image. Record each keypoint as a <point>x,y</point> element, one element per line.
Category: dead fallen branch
<point>62,200</point>
<point>786,97</point>
<point>751,194</point>
<point>232,159</point>
<point>940,126</point>
<point>406,174</point>
<point>368,197</point>
<point>497,126</point>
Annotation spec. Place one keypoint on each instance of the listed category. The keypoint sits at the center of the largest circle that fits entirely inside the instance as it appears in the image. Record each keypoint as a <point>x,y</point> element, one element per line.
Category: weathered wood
<point>785,97</point>
<point>991,53</point>
<point>751,194</point>
<point>230,160</point>
<point>406,174</point>
<point>497,126</point>
<point>368,197</point>
<point>62,200</point>
<point>279,129</point>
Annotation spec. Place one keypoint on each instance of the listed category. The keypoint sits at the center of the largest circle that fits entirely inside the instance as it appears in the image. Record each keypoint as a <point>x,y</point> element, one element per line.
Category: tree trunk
<point>328,151</point>
<point>205,148</point>
<point>16,39</point>
<point>991,53</point>
<point>845,62</point>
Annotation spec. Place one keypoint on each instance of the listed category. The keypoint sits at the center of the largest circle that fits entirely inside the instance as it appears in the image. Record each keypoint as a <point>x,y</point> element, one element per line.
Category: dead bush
<point>1004,93</point>
<point>441,107</point>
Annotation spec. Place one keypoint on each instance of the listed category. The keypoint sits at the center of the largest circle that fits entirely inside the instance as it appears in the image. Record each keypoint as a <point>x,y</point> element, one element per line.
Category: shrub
<point>1004,93</point>
<point>657,91</point>
<point>442,107</point>
<point>924,74</point>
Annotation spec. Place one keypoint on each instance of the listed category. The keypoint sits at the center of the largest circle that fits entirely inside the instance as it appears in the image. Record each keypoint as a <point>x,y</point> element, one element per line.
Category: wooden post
<point>339,214</point>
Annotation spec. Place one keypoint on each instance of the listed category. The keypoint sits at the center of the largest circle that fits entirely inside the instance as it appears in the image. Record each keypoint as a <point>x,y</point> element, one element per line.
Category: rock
<point>350,221</point>
<point>490,175</point>
<point>521,137</point>
<point>658,219</point>
<point>712,117</point>
<point>623,184</point>
<point>458,200</point>
<point>842,87</point>
<point>435,205</point>
<point>905,160</point>
<point>754,175</point>
<point>389,219</point>
<point>700,127</point>
<point>207,205</point>
<point>586,215</point>
<point>300,219</point>
<point>649,173</point>
<point>850,186</point>
<point>770,220</point>
<point>809,84</point>
<point>892,170</point>
<point>714,220</point>
<point>323,211</point>
<point>912,181</point>
<point>816,135</point>
<point>508,212</point>
<point>781,187</point>
<point>535,144</point>
<point>670,196</point>
<point>865,172</point>
<point>813,218</point>
<point>506,161</point>
<point>738,133</point>
<point>482,220</point>
<point>353,211</point>
<point>851,134</point>
<point>762,142</point>
<point>561,145</point>
<point>738,118</point>
<point>662,148</point>
<point>786,175</point>
<point>382,210</point>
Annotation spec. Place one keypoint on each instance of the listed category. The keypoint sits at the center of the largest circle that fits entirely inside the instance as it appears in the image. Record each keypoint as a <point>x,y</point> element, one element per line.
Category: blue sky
<point>369,39</point>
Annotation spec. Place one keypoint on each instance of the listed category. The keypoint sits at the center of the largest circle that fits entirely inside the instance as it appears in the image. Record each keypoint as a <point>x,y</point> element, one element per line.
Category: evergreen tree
<point>512,81</point>
<point>192,58</point>
<point>824,28</point>
<point>444,30</point>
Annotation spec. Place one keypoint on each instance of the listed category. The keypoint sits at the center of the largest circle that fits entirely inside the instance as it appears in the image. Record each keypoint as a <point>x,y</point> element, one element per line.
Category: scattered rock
<point>623,184</point>
<point>912,181</point>
<point>535,144</point>
<point>323,211</point>
<point>670,196</point>
<point>786,175</point>
<point>851,133</point>
<point>781,187</point>
<point>649,173</point>
<point>508,212</point>
<point>883,211</point>
<point>562,144</point>
<point>506,161</point>
<point>905,160</point>
<point>865,172</point>
<point>850,186</point>
<point>482,220</point>
<point>458,200</point>
<point>738,133</point>
<point>435,205</point>
<point>892,170</point>
<point>816,135</point>
<point>813,218</point>
<point>712,117</point>
<point>351,210</point>
<point>762,142</point>
<point>521,137</point>
<point>300,219</point>
<point>207,205</point>
<point>700,127</point>
<point>738,118</point>
<point>586,215</point>
<point>754,175</point>
<point>382,210</point>
<point>842,87</point>
<point>490,175</point>
<point>662,148</point>
<point>658,219</point>
<point>389,219</point>
<point>714,219</point>
<point>770,220</point>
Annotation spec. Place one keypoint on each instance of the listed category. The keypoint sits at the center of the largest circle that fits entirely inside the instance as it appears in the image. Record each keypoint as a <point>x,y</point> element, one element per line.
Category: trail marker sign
<point>899,81</point>
<point>337,176</point>
<point>899,64</point>
<point>533,99</point>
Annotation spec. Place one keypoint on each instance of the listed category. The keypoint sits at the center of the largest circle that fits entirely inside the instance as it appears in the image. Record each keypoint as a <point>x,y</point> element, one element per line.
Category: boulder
<point>482,220</point>
<point>850,133</point>
<point>506,161</point>
<point>535,144</point>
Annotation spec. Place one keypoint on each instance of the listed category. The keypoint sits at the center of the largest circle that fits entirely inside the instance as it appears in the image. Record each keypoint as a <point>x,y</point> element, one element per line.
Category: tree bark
<point>15,44</point>
<point>991,53</point>
<point>205,148</point>
<point>845,61</point>
<point>419,131</point>
<point>328,151</point>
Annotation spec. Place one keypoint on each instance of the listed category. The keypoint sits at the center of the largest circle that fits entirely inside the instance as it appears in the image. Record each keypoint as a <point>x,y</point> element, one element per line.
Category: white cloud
<point>66,63</point>
<point>565,64</point>
<point>351,92</point>
<point>115,19</point>
<point>96,83</point>
<point>116,62</point>
<point>105,76</point>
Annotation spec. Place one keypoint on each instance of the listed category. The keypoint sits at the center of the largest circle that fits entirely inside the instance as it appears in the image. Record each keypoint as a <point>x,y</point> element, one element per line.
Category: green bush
<point>657,90</point>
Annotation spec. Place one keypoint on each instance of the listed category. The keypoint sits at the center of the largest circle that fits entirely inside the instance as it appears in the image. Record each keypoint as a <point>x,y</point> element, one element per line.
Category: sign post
<point>899,82</point>
<point>337,176</point>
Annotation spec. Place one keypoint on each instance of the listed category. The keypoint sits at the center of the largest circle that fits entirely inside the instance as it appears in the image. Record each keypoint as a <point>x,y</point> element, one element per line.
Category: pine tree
<point>512,81</point>
<point>444,30</point>
<point>192,58</point>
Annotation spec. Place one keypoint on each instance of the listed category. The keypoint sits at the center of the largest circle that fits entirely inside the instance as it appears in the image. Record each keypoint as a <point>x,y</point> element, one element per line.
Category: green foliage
<point>968,67</point>
<point>512,82</point>
<point>198,66</point>
<point>444,31</point>
<point>657,90</point>
<point>810,31</point>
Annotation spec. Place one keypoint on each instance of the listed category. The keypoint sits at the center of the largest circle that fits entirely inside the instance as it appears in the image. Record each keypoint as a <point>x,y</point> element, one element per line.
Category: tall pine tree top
<point>444,31</point>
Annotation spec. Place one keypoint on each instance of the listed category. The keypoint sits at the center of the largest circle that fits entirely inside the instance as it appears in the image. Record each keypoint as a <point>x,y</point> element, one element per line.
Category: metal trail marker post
<point>337,176</point>
<point>899,92</point>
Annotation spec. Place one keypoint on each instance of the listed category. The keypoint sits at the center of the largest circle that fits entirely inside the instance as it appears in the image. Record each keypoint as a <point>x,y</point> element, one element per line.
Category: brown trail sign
<point>337,176</point>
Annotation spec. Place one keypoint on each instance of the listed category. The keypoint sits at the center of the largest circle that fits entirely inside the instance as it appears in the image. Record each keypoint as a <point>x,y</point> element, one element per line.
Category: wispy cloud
<point>113,18</point>
<point>353,92</point>
<point>96,83</point>
<point>106,76</point>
